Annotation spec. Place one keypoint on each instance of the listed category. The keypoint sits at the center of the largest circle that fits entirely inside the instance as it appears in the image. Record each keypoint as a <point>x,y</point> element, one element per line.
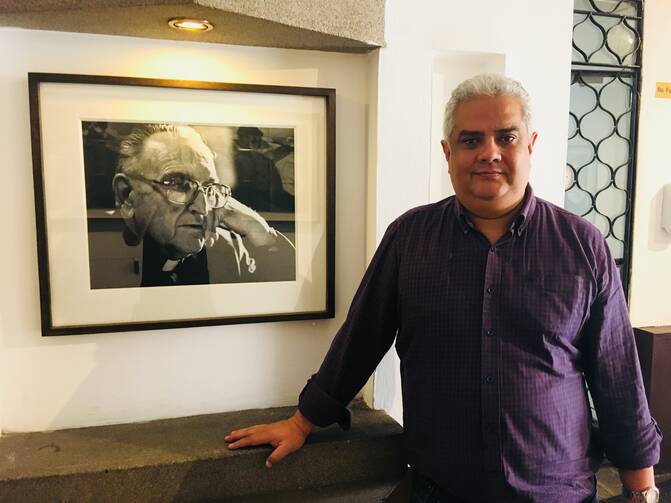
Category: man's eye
<point>509,138</point>
<point>469,142</point>
<point>175,181</point>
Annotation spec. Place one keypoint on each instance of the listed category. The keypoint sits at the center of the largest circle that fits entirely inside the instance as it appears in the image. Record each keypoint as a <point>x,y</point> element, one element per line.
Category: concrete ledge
<point>352,492</point>
<point>355,26</point>
<point>186,459</point>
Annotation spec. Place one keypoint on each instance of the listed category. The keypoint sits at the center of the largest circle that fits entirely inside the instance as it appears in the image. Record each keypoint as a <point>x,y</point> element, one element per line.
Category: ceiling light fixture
<point>190,24</point>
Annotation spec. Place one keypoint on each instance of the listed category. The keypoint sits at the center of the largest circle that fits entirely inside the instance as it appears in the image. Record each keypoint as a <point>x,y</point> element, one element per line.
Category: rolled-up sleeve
<point>365,336</point>
<point>630,436</point>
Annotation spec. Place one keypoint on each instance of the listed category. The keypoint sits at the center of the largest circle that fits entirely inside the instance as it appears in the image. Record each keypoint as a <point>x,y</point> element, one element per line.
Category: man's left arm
<point>630,435</point>
<point>637,480</point>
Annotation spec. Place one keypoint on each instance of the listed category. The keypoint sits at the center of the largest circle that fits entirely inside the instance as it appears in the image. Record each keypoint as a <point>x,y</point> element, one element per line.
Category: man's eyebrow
<point>477,134</point>
<point>513,129</point>
<point>171,171</point>
<point>177,172</point>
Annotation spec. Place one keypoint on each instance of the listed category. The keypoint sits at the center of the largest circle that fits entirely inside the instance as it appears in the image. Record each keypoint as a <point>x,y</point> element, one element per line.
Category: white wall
<point>56,382</point>
<point>650,302</point>
<point>535,40</point>
<point>448,71</point>
<point>386,107</point>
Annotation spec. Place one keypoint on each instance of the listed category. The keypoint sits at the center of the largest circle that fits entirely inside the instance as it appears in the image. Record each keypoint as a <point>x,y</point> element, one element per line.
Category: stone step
<point>352,492</point>
<point>186,459</point>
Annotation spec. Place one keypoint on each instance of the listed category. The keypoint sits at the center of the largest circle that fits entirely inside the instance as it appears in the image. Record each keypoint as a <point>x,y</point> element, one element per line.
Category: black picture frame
<point>71,302</point>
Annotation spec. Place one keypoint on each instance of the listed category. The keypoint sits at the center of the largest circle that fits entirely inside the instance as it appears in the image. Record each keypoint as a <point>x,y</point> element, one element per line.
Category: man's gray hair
<point>486,84</point>
<point>131,160</point>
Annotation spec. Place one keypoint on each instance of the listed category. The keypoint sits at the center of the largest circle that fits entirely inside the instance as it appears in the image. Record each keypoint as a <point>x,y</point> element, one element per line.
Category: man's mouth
<point>195,227</point>
<point>488,174</point>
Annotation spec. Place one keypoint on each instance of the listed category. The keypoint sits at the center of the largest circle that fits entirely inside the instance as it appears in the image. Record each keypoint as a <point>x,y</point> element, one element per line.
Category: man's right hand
<point>285,436</point>
<point>244,221</point>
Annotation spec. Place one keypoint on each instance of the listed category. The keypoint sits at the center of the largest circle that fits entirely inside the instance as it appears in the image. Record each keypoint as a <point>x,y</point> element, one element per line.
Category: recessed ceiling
<point>327,25</point>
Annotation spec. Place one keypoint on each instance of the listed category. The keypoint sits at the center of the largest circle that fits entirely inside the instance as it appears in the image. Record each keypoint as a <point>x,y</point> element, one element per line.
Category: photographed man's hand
<point>244,221</point>
<point>285,436</point>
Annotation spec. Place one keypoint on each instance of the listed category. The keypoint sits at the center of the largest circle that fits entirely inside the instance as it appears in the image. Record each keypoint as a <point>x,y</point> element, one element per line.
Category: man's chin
<point>489,195</point>
<point>176,251</point>
<point>498,199</point>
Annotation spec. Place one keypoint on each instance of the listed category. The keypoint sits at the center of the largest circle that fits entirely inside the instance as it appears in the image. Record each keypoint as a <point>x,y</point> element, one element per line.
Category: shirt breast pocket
<point>550,303</point>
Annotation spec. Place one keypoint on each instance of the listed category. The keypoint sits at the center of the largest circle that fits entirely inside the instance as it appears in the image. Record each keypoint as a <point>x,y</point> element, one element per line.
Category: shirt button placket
<point>490,362</point>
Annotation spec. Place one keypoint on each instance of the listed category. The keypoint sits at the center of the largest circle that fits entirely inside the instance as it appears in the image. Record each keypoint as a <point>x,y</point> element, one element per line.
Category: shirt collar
<point>528,206</point>
<point>462,216</point>
<point>519,224</point>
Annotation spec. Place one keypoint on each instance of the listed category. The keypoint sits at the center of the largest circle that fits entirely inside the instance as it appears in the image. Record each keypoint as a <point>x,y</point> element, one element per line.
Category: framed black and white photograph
<point>164,203</point>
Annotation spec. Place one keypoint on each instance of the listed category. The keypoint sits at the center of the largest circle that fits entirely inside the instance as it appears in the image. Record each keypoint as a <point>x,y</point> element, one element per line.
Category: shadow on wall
<point>387,394</point>
<point>658,238</point>
<point>83,380</point>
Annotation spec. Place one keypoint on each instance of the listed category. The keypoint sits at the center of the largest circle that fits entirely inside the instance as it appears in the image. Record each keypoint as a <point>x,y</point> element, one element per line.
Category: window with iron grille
<point>605,77</point>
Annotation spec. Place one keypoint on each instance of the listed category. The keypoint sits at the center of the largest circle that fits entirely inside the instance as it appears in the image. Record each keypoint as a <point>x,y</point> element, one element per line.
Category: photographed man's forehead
<point>166,154</point>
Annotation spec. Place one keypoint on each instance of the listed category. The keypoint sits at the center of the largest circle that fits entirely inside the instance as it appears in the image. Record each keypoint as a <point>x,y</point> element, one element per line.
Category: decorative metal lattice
<point>607,33</point>
<point>602,119</point>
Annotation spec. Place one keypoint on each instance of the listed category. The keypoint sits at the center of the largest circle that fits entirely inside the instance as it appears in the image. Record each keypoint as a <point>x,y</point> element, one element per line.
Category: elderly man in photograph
<point>506,310</point>
<point>168,193</point>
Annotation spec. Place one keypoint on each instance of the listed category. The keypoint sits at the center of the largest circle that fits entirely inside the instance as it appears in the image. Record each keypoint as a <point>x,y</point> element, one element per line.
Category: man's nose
<point>489,151</point>
<point>199,203</point>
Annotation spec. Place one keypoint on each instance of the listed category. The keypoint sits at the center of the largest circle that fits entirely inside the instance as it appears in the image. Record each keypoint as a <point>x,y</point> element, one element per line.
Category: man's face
<point>180,228</point>
<point>489,154</point>
<point>253,142</point>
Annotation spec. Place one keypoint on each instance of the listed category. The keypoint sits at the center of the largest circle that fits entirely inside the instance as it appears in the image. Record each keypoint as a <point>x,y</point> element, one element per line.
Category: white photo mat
<point>62,109</point>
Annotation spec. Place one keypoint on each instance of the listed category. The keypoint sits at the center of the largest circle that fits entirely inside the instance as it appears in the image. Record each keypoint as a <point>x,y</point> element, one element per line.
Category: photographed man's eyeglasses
<point>183,190</point>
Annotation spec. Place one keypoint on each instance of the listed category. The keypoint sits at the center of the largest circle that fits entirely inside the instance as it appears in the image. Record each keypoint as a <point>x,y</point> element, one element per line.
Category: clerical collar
<point>170,265</point>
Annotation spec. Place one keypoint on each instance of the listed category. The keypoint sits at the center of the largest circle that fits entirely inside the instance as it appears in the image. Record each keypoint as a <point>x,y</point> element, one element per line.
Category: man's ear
<point>532,141</point>
<point>122,189</point>
<point>446,150</point>
<point>122,197</point>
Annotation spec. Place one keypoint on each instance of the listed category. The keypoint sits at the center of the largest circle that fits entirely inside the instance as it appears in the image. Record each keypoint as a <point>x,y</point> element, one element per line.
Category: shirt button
<point>490,332</point>
<point>490,290</point>
<point>489,379</point>
<point>492,249</point>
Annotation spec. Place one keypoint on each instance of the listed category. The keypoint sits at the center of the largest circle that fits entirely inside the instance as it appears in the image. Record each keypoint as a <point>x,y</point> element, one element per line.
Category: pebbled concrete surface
<point>354,492</point>
<point>186,459</point>
<point>354,26</point>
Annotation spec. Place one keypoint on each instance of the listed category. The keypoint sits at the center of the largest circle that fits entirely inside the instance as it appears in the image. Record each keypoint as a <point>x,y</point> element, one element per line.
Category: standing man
<point>504,308</point>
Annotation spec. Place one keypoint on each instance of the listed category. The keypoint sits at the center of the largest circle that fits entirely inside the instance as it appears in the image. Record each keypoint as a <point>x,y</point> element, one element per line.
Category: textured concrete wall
<point>342,26</point>
<point>52,5</point>
<point>361,20</point>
